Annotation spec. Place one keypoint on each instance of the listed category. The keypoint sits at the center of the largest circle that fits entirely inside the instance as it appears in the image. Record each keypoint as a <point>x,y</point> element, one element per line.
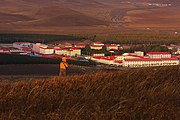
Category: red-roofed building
<point>21,44</point>
<point>46,51</point>
<point>97,45</point>
<point>80,45</point>
<point>68,52</point>
<point>112,47</point>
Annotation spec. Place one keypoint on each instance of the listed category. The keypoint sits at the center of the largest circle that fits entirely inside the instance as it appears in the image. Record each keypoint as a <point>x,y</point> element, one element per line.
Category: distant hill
<point>88,15</point>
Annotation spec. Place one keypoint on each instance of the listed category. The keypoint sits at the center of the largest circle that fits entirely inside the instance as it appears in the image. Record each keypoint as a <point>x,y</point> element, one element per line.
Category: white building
<point>128,56</point>
<point>97,46</point>
<point>75,51</point>
<point>148,62</point>
<point>1,50</point>
<point>68,52</point>
<point>80,45</point>
<point>61,51</point>
<point>36,47</point>
<point>139,53</point>
<point>18,45</point>
<point>158,55</point>
<point>46,51</point>
<point>112,46</point>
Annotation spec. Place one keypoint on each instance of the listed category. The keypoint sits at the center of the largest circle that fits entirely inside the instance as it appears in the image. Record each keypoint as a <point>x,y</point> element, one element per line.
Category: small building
<point>68,45</point>
<point>80,45</point>
<point>45,50</point>
<point>36,47</point>
<point>75,51</point>
<point>97,46</point>
<point>18,45</point>
<point>68,52</point>
<point>61,51</point>
<point>139,53</point>
<point>1,50</point>
<point>113,47</point>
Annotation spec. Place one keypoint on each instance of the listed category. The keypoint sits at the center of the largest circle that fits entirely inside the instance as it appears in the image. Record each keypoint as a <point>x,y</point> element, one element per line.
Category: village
<point>75,52</point>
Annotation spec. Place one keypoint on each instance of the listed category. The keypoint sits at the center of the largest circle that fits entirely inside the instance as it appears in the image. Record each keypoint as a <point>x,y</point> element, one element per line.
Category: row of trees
<point>44,38</point>
<point>146,48</point>
<point>135,38</point>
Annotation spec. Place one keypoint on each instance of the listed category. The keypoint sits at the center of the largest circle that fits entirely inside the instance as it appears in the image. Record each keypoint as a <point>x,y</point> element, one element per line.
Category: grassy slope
<point>151,93</point>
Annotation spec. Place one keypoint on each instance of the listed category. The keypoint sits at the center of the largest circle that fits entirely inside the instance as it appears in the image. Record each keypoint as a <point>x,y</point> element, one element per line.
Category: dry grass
<point>151,93</point>
<point>94,16</point>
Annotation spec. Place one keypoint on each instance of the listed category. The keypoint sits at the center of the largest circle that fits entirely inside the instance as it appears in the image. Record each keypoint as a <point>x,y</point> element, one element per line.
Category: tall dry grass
<point>147,93</point>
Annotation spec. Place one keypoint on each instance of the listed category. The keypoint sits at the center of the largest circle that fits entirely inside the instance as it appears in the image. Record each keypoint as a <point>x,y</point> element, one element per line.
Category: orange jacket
<point>63,65</point>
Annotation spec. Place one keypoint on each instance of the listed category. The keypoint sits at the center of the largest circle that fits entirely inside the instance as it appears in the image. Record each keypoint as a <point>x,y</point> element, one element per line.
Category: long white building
<point>148,62</point>
<point>158,55</point>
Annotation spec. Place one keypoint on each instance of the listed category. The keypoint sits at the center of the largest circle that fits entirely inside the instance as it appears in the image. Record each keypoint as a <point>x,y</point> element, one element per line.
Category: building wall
<point>150,63</point>
<point>112,47</point>
<point>159,55</point>
<point>96,47</point>
<point>46,51</point>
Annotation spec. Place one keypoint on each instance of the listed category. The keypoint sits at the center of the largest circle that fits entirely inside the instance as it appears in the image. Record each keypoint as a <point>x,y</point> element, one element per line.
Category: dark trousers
<point>62,72</point>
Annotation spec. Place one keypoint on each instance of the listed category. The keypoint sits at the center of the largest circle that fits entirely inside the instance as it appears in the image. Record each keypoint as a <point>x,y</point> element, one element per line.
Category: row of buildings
<point>67,49</point>
<point>137,59</point>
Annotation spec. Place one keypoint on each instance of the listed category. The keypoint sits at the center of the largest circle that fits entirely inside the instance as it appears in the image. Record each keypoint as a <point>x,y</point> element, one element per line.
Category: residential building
<point>68,52</point>
<point>110,47</point>
<point>46,51</point>
<point>139,53</point>
<point>97,45</point>
<point>75,51</point>
<point>61,51</point>
<point>80,45</point>
<point>21,44</point>
<point>36,48</point>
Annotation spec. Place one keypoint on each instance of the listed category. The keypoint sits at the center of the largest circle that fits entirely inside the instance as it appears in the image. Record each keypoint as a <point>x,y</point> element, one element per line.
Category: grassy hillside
<point>151,93</point>
<point>90,16</point>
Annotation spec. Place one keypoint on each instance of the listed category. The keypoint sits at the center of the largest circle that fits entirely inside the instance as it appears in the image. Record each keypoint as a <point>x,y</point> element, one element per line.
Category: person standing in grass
<point>63,67</point>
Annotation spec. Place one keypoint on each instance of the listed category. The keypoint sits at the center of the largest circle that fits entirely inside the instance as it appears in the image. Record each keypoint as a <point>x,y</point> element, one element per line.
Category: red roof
<point>109,58</point>
<point>18,43</point>
<point>80,44</point>
<point>134,56</point>
<point>97,57</point>
<point>75,49</point>
<point>96,46</point>
<point>47,48</point>
<point>158,53</point>
<point>149,59</point>
<point>118,55</point>
<point>113,45</point>
<point>118,61</point>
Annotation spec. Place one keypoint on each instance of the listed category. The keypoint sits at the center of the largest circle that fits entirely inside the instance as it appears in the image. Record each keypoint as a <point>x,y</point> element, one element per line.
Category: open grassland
<point>89,16</point>
<point>147,93</point>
